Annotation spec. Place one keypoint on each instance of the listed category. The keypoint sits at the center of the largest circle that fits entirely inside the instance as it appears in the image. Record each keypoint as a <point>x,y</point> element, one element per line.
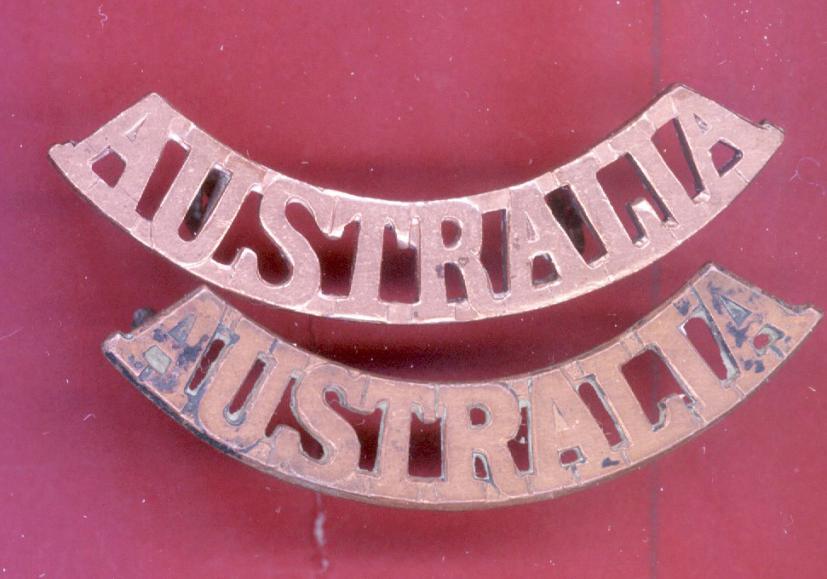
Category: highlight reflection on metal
<point>225,378</point>
<point>204,200</point>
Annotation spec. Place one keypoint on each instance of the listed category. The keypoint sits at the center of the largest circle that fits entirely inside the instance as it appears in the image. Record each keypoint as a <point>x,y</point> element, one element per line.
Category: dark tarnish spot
<point>136,363</point>
<point>739,335</point>
<point>682,306</point>
<point>728,305</point>
<point>190,353</point>
<point>181,331</point>
<point>607,462</point>
<point>715,292</point>
<point>440,271</point>
<point>759,366</point>
<point>748,364</point>
<point>164,382</point>
<point>736,311</point>
<point>159,335</point>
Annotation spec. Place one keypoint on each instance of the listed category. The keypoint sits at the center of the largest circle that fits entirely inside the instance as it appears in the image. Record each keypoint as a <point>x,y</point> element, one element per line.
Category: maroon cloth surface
<point>400,100</point>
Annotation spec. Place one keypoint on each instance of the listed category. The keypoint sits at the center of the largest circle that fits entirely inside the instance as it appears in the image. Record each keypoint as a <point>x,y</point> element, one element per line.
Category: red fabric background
<point>403,100</point>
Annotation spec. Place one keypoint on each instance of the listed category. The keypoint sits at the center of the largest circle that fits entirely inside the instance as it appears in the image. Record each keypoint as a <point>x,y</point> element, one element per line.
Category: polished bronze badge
<point>225,378</point>
<point>542,222</point>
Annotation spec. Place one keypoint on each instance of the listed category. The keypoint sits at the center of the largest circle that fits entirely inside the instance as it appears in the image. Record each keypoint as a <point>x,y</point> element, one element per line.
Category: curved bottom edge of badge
<point>224,378</point>
<point>540,225</point>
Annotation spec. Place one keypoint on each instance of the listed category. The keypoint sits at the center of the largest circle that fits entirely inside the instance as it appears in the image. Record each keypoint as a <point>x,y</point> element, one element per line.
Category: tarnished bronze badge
<point>294,415</point>
<point>225,378</point>
<point>542,222</point>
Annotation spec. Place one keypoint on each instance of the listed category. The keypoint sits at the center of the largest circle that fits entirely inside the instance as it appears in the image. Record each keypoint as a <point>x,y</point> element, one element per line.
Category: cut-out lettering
<point>453,446</point>
<point>567,232</point>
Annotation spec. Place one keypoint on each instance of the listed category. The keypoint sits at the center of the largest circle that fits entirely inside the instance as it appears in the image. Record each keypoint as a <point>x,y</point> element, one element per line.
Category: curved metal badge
<point>225,378</point>
<point>534,219</point>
